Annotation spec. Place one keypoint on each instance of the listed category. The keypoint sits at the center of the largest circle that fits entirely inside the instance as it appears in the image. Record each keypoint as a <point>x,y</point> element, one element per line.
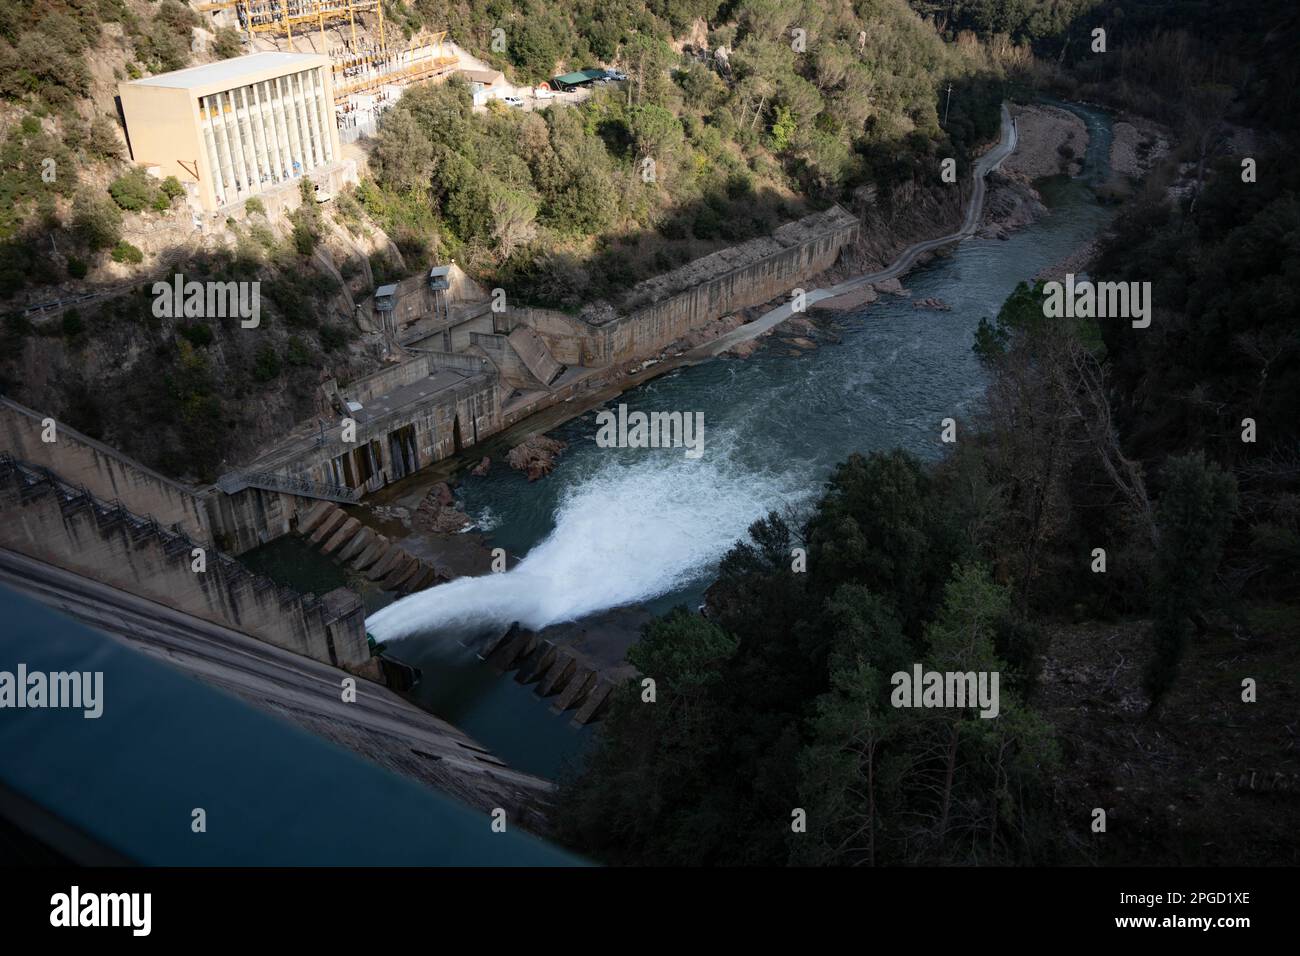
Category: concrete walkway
<point>983,166</point>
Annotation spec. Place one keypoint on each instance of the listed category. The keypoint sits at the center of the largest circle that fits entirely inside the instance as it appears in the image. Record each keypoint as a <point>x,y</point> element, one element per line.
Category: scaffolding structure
<point>280,17</point>
<point>361,71</point>
<point>365,71</point>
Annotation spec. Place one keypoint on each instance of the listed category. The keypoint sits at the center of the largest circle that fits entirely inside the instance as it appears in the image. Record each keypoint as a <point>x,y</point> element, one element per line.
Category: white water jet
<point>646,523</point>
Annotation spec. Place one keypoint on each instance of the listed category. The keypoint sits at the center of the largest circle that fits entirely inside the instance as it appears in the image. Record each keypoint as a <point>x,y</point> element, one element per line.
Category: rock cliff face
<point>895,219</point>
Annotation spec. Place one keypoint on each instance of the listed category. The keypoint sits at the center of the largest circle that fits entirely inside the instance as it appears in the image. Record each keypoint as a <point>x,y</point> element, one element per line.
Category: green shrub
<point>96,222</point>
<point>197,334</point>
<point>266,365</point>
<point>125,252</point>
<point>133,191</point>
<point>254,207</point>
<point>17,326</point>
<point>227,44</point>
<point>77,268</point>
<point>263,236</point>
<point>171,186</point>
<point>333,337</point>
<point>298,352</point>
<point>304,240</point>
<point>72,324</point>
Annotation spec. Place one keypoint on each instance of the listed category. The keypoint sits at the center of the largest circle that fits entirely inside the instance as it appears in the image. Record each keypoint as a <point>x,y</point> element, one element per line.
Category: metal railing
<point>290,484</point>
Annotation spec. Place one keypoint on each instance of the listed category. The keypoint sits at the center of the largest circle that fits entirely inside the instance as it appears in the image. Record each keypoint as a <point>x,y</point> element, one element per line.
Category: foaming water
<point>642,525</point>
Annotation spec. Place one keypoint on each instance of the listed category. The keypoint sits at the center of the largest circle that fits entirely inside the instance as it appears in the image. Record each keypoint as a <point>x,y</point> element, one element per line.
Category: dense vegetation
<point>1093,434</point>
<point>575,203</point>
<point>46,47</point>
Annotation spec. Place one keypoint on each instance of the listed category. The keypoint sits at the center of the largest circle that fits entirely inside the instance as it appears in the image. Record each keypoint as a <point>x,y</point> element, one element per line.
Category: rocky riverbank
<point>1077,262</point>
<point>1010,204</point>
<point>1138,145</point>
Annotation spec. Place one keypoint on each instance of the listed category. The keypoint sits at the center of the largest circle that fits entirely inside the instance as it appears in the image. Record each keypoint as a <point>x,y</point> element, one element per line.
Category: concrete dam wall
<point>234,523</point>
<point>665,308</point>
<point>53,521</point>
<point>731,279</point>
<point>81,460</point>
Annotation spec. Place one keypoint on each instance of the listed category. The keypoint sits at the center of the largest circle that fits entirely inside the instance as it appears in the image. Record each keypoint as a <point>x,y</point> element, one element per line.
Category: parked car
<point>512,100</point>
<point>543,93</point>
<point>618,76</point>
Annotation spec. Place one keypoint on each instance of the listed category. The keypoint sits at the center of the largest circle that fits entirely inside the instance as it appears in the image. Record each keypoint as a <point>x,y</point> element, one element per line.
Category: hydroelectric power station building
<point>236,128</point>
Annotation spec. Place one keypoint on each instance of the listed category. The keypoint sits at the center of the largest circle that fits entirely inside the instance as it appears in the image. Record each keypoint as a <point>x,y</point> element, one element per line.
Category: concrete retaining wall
<point>252,517</point>
<point>106,472</point>
<point>570,339</point>
<point>506,360</point>
<point>727,281</point>
<point>649,329</point>
<point>365,389</point>
<point>54,522</point>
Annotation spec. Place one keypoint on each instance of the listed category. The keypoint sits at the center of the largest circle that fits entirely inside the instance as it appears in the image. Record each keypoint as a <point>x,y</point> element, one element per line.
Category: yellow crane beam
<point>281,16</point>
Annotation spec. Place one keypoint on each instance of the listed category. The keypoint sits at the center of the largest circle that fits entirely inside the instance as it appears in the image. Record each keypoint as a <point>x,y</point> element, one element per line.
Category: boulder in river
<point>536,456</point>
<point>744,349</point>
<point>438,511</point>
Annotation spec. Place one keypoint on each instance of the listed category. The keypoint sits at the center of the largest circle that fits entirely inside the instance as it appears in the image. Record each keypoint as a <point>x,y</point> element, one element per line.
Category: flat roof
<point>413,393</point>
<point>483,76</point>
<point>226,73</point>
<point>582,76</point>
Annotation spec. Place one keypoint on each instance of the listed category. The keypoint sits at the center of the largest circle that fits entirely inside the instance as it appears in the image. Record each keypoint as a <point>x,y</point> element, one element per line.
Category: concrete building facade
<point>232,129</point>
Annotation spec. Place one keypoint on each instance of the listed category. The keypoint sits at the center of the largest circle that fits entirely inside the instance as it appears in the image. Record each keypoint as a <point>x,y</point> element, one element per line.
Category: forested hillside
<point>776,106</point>
<point>731,124</point>
<point>1177,446</point>
<point>56,104</point>
<point>76,217</point>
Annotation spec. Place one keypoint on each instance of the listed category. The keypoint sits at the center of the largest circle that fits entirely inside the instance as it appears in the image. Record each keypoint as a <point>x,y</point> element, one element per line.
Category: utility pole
<point>946,105</point>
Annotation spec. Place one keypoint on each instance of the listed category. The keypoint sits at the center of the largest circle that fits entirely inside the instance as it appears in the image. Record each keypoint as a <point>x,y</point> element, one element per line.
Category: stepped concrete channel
<point>330,529</point>
<point>577,666</point>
